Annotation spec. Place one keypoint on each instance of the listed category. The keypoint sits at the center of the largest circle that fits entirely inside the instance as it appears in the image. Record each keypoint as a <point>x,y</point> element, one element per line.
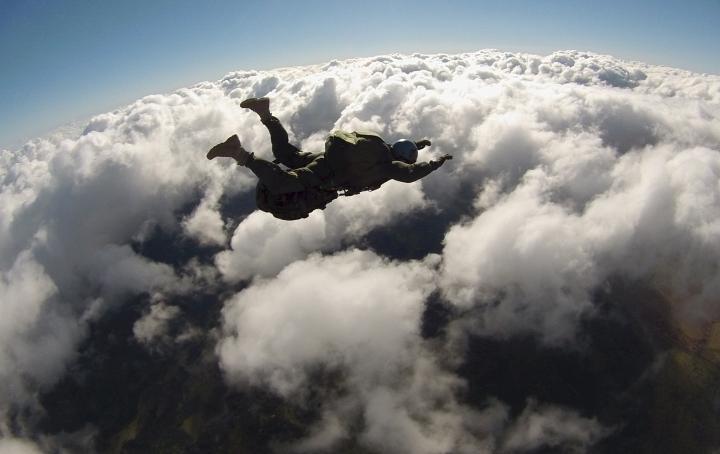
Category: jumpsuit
<point>311,170</point>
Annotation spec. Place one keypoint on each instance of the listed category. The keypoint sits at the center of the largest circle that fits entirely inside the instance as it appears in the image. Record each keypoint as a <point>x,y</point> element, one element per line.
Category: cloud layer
<point>569,170</point>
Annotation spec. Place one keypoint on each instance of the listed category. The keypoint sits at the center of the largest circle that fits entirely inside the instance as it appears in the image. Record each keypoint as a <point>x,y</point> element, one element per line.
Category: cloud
<point>73,212</point>
<point>17,446</point>
<point>543,426</point>
<point>36,337</point>
<point>154,324</point>
<point>205,223</point>
<point>524,264</point>
<point>530,261</point>
<point>357,313</point>
<point>352,308</point>
<point>263,245</point>
<point>569,169</point>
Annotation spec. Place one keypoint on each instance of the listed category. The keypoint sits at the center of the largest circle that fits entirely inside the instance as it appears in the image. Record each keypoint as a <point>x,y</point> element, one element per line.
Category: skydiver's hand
<point>422,144</point>
<point>445,157</point>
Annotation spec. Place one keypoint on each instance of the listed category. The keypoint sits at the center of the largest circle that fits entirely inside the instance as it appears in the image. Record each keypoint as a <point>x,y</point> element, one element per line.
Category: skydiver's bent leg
<point>274,177</point>
<point>285,152</point>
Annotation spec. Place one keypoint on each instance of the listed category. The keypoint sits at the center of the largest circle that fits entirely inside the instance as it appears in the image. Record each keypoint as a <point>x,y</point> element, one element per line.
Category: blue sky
<point>65,60</point>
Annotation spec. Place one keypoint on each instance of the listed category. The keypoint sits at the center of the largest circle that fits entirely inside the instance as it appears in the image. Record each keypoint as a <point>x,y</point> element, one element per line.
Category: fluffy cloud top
<point>155,322</point>
<point>569,169</point>
<point>351,309</point>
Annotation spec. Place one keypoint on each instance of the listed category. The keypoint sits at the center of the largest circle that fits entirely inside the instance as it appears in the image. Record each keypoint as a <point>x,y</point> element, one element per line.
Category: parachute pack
<point>351,154</point>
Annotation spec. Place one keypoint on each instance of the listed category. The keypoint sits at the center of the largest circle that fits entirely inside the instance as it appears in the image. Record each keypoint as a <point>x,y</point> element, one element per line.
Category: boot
<point>231,148</point>
<point>260,106</point>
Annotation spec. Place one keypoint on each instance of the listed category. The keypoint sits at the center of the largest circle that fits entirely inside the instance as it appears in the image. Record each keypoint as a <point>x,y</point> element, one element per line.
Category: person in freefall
<point>351,163</point>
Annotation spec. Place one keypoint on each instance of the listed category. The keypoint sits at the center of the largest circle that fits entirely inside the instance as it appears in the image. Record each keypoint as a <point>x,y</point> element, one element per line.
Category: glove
<point>422,144</point>
<point>445,157</point>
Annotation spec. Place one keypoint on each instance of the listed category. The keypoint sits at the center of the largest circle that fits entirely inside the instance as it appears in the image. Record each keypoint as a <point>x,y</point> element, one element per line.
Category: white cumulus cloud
<point>357,313</point>
<point>569,169</point>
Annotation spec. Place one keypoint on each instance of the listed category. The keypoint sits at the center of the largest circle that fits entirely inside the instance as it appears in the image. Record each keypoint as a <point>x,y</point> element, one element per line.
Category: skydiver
<point>352,163</point>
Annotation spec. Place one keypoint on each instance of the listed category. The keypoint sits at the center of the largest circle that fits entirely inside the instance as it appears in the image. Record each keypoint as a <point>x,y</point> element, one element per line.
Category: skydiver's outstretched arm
<point>407,173</point>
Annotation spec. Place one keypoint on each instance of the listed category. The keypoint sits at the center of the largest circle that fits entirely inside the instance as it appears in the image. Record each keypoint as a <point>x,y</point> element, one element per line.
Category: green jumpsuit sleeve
<point>407,173</point>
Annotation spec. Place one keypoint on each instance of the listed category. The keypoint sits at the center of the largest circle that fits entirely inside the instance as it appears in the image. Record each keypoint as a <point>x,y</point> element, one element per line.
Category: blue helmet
<point>405,150</point>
